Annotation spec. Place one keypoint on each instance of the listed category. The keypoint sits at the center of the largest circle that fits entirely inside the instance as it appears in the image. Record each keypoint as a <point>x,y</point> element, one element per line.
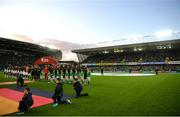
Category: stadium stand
<point>18,53</point>
<point>145,56</point>
<point>163,55</point>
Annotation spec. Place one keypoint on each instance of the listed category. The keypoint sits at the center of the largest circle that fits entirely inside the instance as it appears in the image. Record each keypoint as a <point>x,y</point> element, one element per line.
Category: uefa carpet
<point>10,98</point>
<point>43,93</point>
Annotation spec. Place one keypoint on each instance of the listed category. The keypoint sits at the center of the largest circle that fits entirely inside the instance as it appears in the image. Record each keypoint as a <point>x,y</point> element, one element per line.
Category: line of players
<point>14,72</point>
<point>65,72</point>
<point>68,72</point>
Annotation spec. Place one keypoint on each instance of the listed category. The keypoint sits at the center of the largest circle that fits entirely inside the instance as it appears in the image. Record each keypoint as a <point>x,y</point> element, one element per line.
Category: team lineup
<point>65,72</point>
<point>90,58</point>
<point>75,75</point>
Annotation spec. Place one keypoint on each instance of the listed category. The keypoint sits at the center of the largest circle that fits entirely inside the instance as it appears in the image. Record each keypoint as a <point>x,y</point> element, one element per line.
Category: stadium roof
<point>168,44</point>
<point>8,46</point>
<point>135,39</point>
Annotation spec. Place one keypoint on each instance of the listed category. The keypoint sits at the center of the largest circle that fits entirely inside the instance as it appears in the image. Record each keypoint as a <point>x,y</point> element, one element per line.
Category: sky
<point>87,21</point>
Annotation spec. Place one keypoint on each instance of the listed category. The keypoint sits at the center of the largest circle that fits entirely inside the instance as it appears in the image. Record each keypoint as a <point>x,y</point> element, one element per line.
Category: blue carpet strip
<point>42,93</point>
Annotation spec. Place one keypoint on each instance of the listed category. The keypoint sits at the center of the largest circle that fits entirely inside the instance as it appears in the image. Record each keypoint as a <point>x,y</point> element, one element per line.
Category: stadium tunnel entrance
<point>46,60</point>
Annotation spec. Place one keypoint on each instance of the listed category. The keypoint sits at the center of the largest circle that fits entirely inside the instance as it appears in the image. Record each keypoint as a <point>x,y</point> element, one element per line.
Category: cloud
<point>39,24</point>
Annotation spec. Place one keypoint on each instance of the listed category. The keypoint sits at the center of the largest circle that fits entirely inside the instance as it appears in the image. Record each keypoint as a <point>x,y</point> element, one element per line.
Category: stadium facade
<point>145,56</point>
<point>18,53</point>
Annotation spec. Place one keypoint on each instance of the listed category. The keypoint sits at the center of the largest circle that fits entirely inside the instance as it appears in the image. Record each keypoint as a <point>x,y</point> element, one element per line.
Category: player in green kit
<point>73,71</point>
<point>85,75</point>
<point>88,76</point>
<point>59,71</point>
<point>71,75</point>
<point>82,76</point>
<point>68,74</point>
<point>64,73</point>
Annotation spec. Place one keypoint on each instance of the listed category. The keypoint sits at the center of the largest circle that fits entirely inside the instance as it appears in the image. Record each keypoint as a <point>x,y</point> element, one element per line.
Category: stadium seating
<point>147,56</point>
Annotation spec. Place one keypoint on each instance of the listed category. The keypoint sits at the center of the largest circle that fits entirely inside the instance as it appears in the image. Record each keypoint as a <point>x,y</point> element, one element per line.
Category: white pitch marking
<point>122,74</point>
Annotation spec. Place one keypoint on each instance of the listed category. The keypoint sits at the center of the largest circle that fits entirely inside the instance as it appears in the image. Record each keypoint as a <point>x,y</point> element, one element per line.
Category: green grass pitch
<point>114,95</point>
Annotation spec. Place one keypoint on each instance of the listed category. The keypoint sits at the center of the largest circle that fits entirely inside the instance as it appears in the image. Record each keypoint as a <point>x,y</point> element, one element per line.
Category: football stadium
<point>128,79</point>
<point>136,75</point>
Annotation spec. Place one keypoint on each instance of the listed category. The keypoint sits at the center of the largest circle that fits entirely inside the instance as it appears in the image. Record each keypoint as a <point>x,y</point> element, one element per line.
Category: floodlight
<point>135,49</point>
<point>121,50</point>
<point>140,49</point>
<point>105,52</point>
<point>116,50</point>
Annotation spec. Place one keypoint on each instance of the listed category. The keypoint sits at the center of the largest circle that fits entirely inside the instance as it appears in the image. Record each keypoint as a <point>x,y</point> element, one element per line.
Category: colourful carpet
<point>7,106</point>
<point>43,93</point>
<point>15,96</point>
